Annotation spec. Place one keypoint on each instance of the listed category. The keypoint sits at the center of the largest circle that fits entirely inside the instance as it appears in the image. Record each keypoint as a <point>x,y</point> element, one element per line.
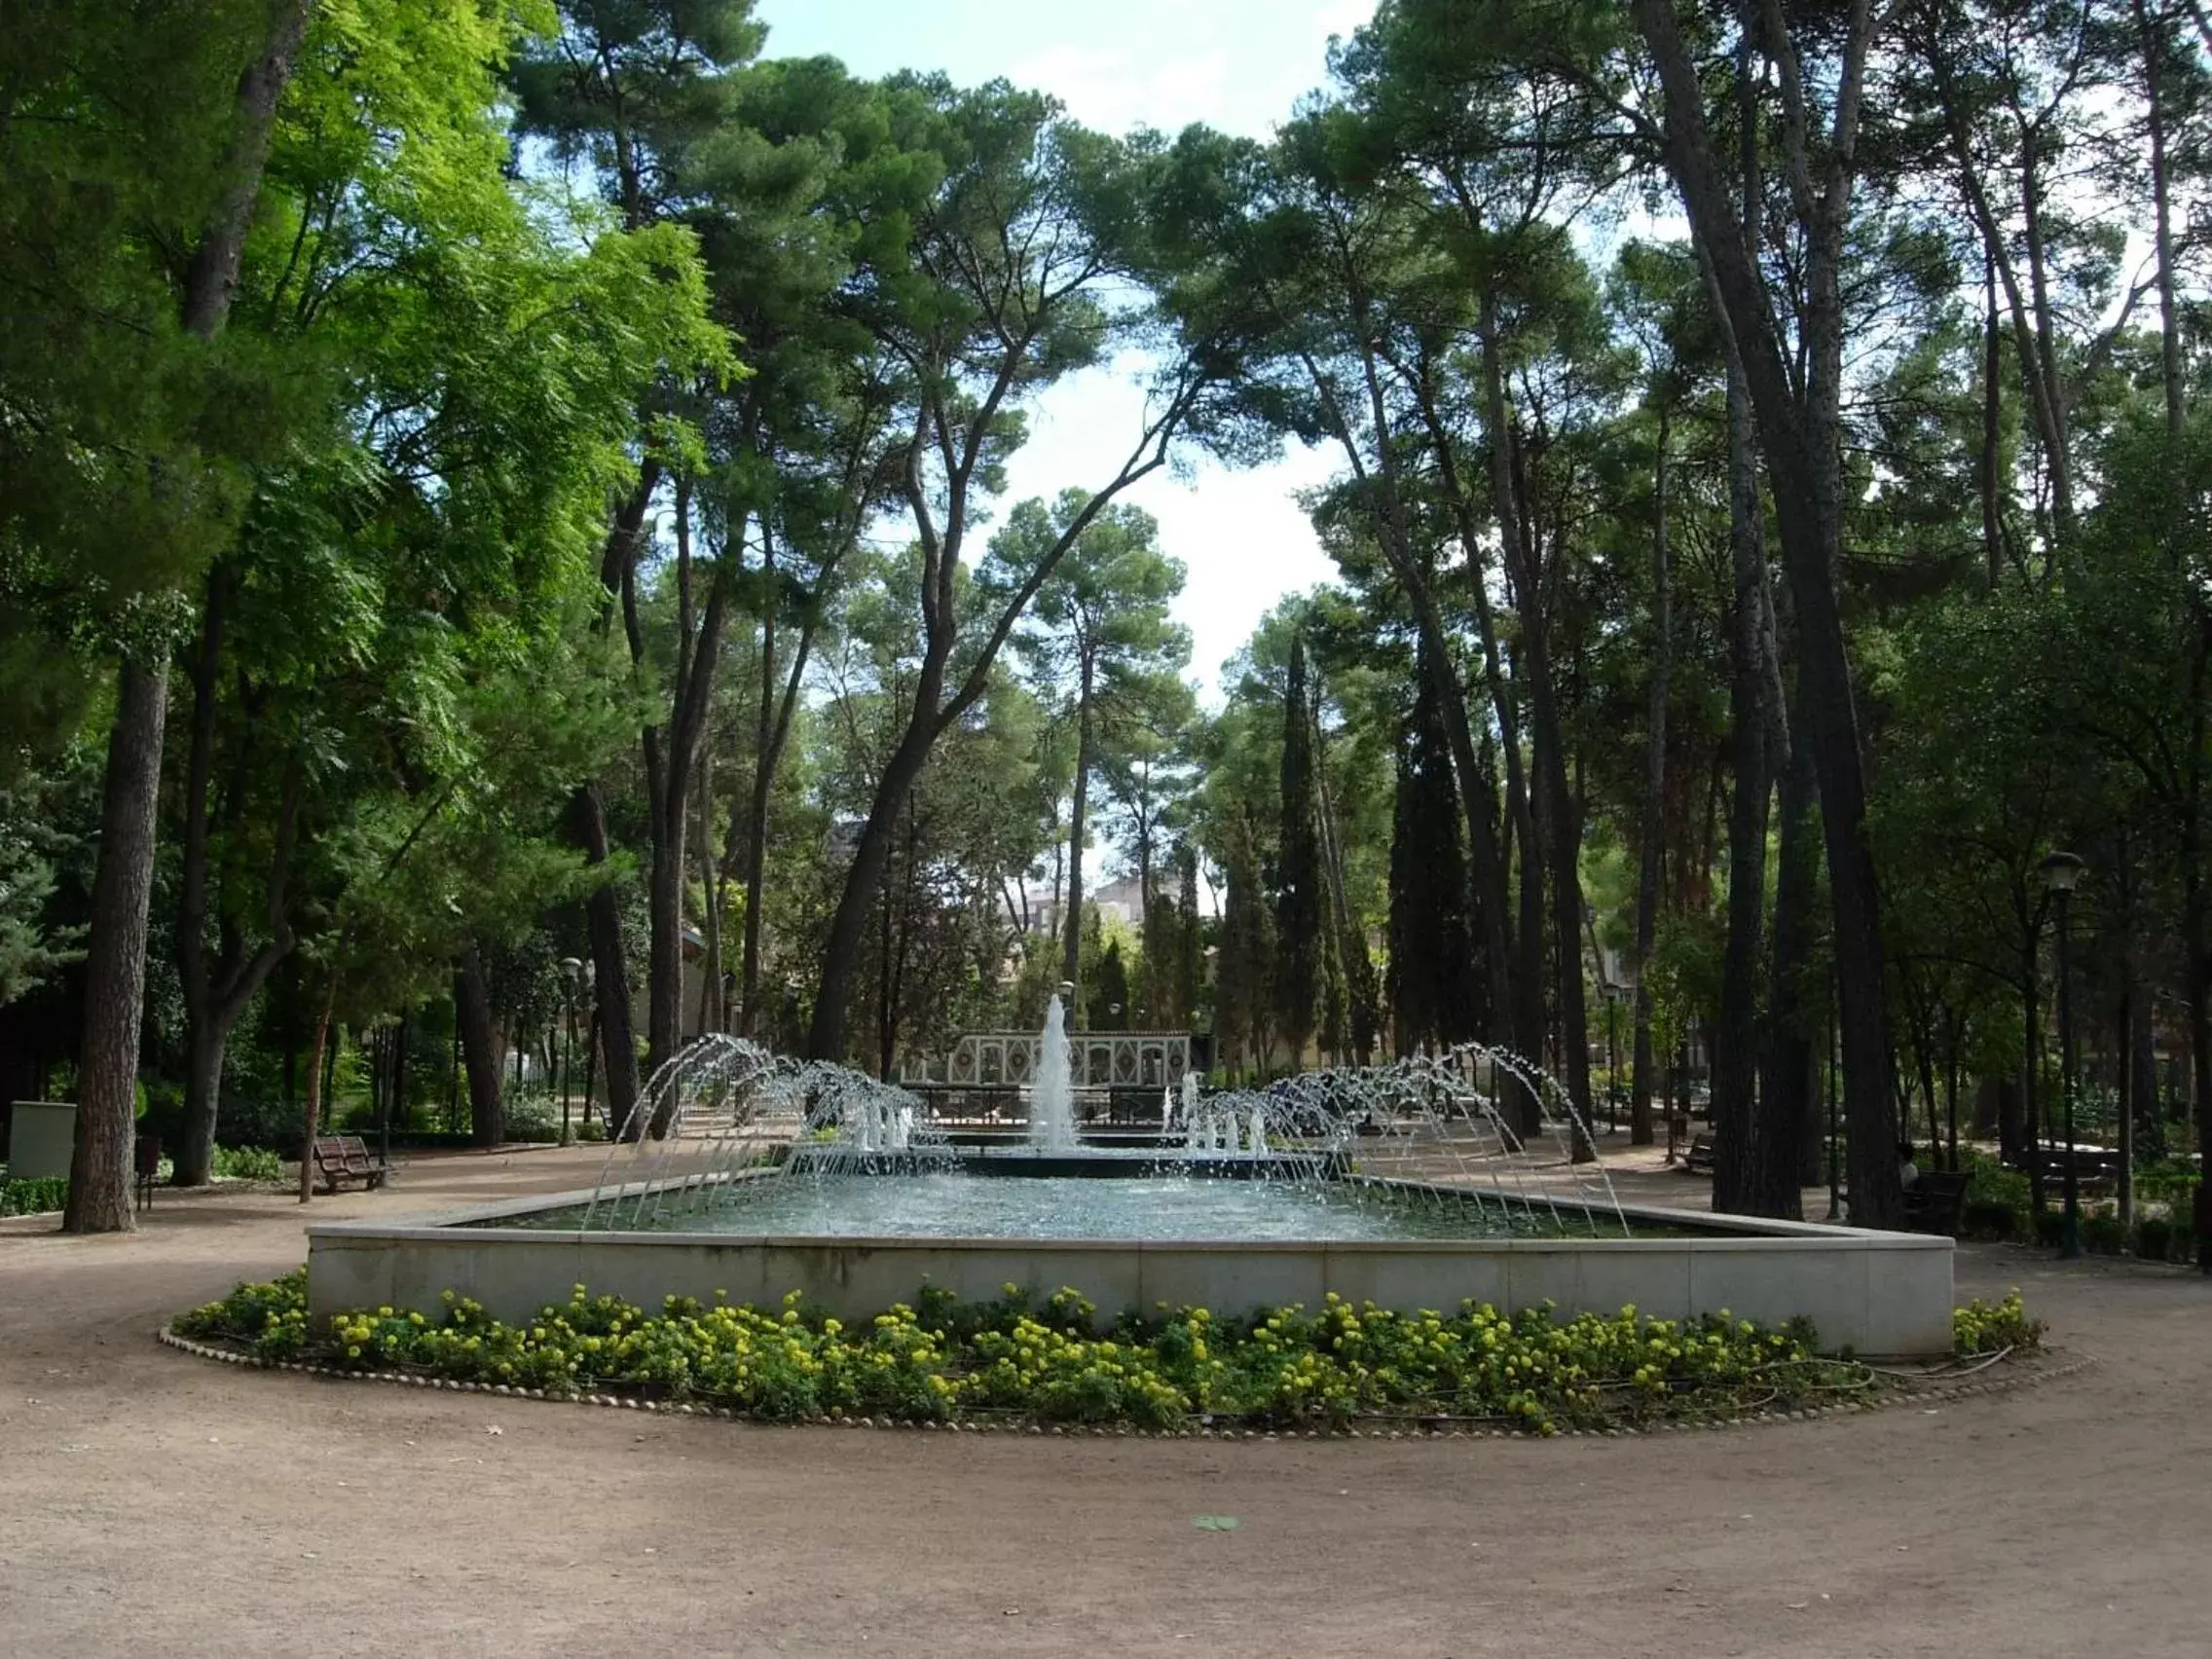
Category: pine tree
<point>1298,896</point>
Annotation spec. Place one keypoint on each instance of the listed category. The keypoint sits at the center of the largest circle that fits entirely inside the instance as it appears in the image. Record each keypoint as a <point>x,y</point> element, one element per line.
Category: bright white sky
<point>1235,65</point>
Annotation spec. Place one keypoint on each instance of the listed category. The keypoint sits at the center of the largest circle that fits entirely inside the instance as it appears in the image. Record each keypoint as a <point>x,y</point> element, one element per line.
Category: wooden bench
<point>2093,1165</point>
<point>1934,1201</point>
<point>1697,1161</point>
<point>346,1157</point>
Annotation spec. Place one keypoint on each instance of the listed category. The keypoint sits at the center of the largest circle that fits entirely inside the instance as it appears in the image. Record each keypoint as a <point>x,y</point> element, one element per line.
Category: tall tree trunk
<point>2138,1048</point>
<point>115,966</point>
<point>1992,430</point>
<point>1520,812</point>
<point>709,889</point>
<point>115,956</point>
<point>825,1036</point>
<point>671,754</point>
<point>321,1053</point>
<point>1747,1178</point>
<point>1485,858</point>
<point>2155,48</point>
<point>216,992</point>
<point>1528,938</point>
<point>1071,946</point>
<point>2197,916</point>
<point>1796,1023</point>
<point>1643,1075</point>
<point>479,1052</point>
<point>611,972</point>
<point>1800,436</point>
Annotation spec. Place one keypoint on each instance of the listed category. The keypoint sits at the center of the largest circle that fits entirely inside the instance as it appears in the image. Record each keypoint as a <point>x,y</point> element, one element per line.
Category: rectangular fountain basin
<point>1875,1293</point>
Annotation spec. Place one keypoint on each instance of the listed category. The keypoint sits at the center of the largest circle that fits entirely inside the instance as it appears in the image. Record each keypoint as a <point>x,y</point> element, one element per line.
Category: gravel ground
<point>151,1503</point>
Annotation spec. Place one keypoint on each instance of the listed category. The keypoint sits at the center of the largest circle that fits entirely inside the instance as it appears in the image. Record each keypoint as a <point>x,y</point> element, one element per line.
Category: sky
<point>1234,64</point>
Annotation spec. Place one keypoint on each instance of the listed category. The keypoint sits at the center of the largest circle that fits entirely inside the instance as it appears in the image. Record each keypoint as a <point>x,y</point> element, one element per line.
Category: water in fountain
<point>721,1103</point>
<point>1051,1092</point>
<point>1417,1124</point>
<point>1428,1132</point>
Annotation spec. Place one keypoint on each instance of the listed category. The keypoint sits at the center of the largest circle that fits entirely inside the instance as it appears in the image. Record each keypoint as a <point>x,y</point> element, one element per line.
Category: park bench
<point>346,1157</point>
<point>2093,1165</point>
<point>1697,1161</point>
<point>1934,1201</point>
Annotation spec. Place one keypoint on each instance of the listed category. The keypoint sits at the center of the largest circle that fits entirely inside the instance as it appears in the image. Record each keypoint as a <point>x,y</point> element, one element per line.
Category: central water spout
<point>1052,1093</point>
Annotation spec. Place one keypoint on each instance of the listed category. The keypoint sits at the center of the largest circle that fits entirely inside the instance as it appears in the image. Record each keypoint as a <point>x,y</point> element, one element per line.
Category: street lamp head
<point>2061,871</point>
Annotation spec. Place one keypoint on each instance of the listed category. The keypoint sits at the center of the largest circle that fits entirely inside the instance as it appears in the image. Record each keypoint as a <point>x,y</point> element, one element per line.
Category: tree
<point>629,89</point>
<point>1026,241</point>
<point>311,642</point>
<point>1098,640</point>
<point>1298,868</point>
<point>153,276</point>
<point>1431,969</point>
<point>1799,423</point>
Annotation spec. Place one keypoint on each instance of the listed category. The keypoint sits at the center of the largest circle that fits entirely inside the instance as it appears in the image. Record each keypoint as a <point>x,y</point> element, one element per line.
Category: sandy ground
<point>151,1503</point>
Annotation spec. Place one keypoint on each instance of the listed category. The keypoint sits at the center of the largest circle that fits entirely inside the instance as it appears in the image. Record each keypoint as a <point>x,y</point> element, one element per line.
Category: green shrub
<point>2153,1238</point>
<point>2102,1232</point>
<point>1992,1182</point>
<point>248,1163</point>
<point>34,1196</point>
<point>532,1118</point>
<point>1981,1218</point>
<point>2050,1228</point>
<point>2167,1181</point>
<point>1981,1327</point>
<point>951,1359</point>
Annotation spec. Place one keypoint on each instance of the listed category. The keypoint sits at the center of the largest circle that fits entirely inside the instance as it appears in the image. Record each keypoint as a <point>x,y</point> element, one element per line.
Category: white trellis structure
<point>1098,1059</point>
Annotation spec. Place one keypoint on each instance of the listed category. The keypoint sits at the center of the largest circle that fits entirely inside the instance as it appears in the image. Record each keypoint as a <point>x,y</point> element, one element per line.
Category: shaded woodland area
<point>485,486</point>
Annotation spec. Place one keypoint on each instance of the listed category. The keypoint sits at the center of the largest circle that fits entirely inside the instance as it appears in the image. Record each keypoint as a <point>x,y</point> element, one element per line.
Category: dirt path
<point>154,1504</point>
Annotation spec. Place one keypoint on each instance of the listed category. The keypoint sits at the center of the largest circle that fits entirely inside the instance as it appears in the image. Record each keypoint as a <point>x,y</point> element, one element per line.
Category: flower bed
<point>946,1360</point>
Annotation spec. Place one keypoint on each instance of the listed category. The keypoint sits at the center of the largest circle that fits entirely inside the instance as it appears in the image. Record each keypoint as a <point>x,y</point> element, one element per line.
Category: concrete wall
<point>1877,1293</point>
<point>42,1135</point>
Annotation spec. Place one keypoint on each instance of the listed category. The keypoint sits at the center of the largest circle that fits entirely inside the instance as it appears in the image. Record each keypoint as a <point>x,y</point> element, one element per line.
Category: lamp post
<point>2060,873</point>
<point>571,983</point>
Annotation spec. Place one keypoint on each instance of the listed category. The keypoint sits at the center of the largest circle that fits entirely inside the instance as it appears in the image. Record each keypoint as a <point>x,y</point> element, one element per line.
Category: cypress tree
<point>1299,894</point>
<point>1187,938</point>
<point>1432,971</point>
<point>1110,1000</point>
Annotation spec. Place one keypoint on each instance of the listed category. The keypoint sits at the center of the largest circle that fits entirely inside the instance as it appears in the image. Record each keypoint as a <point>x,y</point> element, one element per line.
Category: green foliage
<point>942,1360</point>
<point>1431,977</point>
<point>533,1115</point>
<point>33,1196</point>
<point>1984,1328</point>
<point>248,1163</point>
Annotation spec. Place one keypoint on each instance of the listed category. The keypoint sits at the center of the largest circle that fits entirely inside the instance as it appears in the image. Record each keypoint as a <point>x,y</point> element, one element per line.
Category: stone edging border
<point>2069,1366</point>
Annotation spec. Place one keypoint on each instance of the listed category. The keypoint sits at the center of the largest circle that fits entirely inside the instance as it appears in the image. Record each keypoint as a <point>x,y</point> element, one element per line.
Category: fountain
<point>1415,1184</point>
<point>1051,1092</point>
